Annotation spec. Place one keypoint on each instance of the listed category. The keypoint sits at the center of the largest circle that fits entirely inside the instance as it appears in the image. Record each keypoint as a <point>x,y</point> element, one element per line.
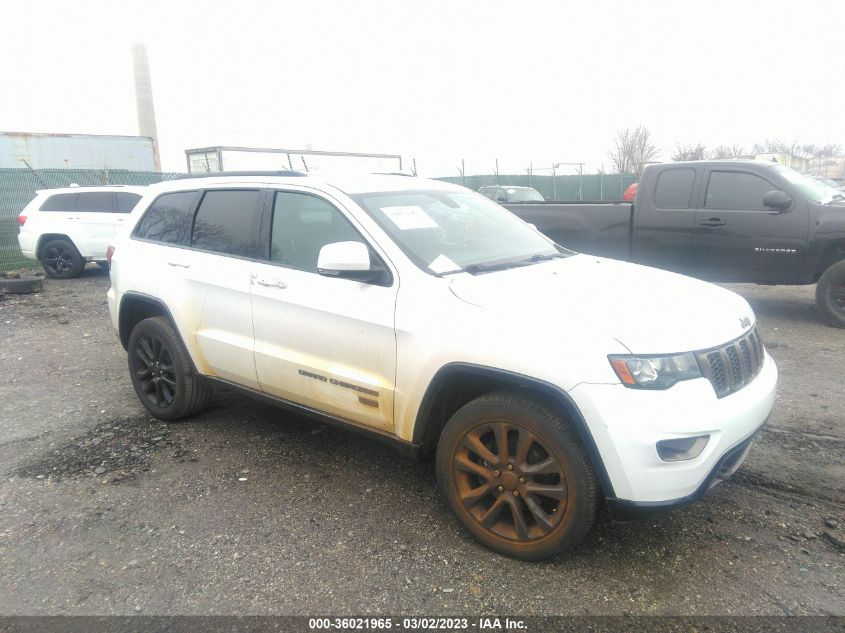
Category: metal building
<point>77,151</point>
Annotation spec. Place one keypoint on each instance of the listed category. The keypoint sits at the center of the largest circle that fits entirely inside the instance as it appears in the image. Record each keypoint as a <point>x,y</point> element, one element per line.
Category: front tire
<point>162,372</point>
<point>61,260</point>
<point>516,475</point>
<point>830,294</point>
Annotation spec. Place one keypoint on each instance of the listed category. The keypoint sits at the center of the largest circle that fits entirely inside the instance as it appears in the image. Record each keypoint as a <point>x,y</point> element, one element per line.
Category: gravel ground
<point>248,510</point>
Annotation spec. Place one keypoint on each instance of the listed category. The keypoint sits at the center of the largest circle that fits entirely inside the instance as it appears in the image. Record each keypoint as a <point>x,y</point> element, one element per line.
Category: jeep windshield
<point>446,231</point>
<point>523,194</point>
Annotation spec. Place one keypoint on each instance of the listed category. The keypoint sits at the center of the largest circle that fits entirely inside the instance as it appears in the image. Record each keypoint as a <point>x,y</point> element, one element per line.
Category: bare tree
<point>633,150</point>
<point>770,146</point>
<point>776,146</point>
<point>724,151</point>
<point>689,152</point>
<point>821,151</point>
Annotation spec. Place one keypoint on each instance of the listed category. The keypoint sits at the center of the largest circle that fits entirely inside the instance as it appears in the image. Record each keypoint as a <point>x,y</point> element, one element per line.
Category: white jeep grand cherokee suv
<point>65,228</point>
<point>428,316</point>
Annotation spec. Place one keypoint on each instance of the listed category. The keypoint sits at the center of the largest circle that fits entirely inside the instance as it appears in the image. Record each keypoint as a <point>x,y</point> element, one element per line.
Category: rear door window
<point>736,190</point>
<point>96,202</point>
<point>227,222</point>
<point>169,219</point>
<point>674,189</point>
<point>60,202</point>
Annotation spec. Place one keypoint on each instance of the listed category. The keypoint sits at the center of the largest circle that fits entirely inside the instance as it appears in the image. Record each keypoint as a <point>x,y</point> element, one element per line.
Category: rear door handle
<point>178,265</point>
<point>272,283</point>
<point>713,223</point>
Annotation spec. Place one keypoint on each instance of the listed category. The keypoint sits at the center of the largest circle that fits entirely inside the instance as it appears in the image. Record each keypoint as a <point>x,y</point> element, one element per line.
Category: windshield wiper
<point>543,258</point>
<point>474,269</point>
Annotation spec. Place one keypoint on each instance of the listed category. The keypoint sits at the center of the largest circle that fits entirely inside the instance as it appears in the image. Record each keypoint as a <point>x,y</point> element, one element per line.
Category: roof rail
<point>228,174</point>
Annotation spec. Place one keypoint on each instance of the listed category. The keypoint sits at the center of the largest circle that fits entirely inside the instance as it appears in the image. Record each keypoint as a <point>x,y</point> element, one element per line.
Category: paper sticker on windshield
<point>442,264</point>
<point>409,217</point>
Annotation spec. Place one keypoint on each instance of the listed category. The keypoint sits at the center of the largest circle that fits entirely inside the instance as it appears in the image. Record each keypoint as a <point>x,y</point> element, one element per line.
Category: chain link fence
<point>18,187</point>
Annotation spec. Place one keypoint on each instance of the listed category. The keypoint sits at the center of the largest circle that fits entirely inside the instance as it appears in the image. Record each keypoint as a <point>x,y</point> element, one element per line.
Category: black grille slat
<point>730,367</point>
<point>736,370</point>
<point>745,360</point>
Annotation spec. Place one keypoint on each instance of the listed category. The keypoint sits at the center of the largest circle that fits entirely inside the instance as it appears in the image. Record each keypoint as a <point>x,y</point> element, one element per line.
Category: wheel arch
<point>134,308</point>
<point>456,384</point>
<point>833,252</point>
<point>47,237</point>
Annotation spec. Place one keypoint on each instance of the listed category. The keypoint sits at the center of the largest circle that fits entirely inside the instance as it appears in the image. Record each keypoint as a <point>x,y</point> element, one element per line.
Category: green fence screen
<point>18,187</point>
<point>563,188</point>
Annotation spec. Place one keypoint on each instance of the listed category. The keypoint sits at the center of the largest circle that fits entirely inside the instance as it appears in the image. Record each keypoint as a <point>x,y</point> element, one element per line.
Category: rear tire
<point>830,294</point>
<point>162,372</point>
<point>61,260</point>
<point>516,475</point>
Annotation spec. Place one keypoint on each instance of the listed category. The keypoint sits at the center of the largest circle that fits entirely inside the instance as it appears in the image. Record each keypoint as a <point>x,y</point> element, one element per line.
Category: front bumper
<point>728,464</point>
<point>626,425</point>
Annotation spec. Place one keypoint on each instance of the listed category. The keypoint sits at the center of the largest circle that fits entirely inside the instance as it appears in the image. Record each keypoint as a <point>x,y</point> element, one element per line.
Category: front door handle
<point>713,223</point>
<point>178,265</point>
<point>272,283</point>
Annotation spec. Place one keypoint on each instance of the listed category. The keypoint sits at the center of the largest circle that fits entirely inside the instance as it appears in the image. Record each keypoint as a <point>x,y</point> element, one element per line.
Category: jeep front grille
<point>730,367</point>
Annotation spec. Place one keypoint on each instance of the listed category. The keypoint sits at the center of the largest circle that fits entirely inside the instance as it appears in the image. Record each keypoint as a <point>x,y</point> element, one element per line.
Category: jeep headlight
<point>654,372</point>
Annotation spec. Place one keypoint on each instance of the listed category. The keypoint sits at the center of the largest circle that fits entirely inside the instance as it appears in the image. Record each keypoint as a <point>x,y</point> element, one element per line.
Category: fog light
<point>682,448</point>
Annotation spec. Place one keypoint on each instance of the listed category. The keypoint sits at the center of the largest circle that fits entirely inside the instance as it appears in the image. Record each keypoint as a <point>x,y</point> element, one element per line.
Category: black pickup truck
<point>723,221</point>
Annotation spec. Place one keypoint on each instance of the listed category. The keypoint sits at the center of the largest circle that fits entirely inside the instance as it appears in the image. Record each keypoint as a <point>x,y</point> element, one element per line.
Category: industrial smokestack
<point>144,97</point>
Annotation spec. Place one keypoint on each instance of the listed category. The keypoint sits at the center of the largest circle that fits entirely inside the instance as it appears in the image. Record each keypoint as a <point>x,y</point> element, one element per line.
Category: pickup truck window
<point>445,231</point>
<point>674,188</point>
<point>302,225</point>
<point>227,222</point>
<point>736,190</point>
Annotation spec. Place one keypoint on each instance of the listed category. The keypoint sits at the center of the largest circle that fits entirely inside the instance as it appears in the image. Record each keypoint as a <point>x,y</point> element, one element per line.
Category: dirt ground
<point>247,510</point>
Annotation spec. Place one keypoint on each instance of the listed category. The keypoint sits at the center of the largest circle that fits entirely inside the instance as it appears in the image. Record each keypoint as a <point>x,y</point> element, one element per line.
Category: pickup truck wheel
<point>830,294</point>
<point>162,373</point>
<point>517,476</point>
<point>61,260</point>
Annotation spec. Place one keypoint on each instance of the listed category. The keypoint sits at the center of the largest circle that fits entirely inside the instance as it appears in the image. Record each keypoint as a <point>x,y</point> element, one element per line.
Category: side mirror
<point>348,260</point>
<point>777,200</point>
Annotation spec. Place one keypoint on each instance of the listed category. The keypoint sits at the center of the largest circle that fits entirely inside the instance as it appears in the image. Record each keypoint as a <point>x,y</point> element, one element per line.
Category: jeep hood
<point>649,311</point>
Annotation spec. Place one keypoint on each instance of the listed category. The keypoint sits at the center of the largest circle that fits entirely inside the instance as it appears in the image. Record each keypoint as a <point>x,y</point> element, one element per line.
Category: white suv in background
<point>65,228</point>
<point>431,318</point>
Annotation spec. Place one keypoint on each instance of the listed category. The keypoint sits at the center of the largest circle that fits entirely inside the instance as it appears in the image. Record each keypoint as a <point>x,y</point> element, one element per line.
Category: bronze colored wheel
<point>516,475</point>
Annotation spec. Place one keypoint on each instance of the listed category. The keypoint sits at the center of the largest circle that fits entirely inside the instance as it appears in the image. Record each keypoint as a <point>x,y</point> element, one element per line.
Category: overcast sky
<point>520,81</point>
